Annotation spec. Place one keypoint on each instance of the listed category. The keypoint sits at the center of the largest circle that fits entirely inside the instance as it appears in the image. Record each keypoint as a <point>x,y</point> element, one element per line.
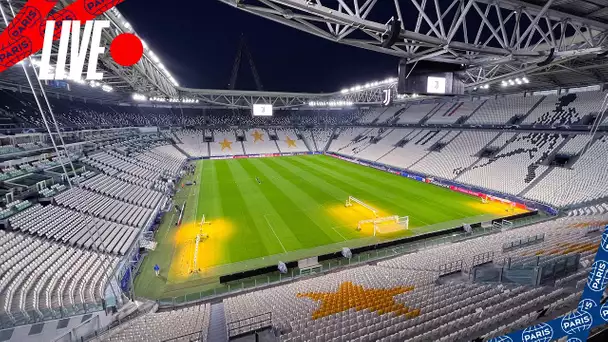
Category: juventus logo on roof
<point>388,99</point>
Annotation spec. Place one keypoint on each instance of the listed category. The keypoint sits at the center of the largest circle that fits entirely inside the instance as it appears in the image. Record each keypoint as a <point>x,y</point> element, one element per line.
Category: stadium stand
<point>290,141</point>
<point>455,113</point>
<point>501,110</point>
<point>416,112</point>
<point>259,141</point>
<point>225,143</point>
<point>188,324</point>
<point>61,253</point>
<point>41,276</point>
<point>401,298</point>
<point>193,143</point>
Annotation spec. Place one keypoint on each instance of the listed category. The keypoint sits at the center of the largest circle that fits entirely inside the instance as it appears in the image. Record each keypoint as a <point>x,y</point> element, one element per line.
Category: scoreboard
<point>260,109</point>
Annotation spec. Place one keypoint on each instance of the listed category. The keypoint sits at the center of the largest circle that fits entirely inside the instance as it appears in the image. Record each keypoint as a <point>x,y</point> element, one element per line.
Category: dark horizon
<point>199,55</point>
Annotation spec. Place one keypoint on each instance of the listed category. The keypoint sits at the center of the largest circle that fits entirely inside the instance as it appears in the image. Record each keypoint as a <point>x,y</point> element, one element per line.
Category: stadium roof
<point>492,40</point>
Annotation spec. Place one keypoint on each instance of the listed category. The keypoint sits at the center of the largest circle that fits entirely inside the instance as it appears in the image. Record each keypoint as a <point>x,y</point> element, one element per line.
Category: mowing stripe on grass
<point>416,190</point>
<point>382,198</point>
<point>246,242</point>
<point>296,193</point>
<point>289,208</point>
<point>294,171</point>
<point>259,204</point>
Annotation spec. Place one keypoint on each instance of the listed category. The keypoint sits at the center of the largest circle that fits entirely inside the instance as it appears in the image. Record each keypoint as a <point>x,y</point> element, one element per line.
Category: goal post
<point>391,226</point>
<point>387,224</point>
<point>204,221</point>
<point>200,237</point>
<point>350,200</point>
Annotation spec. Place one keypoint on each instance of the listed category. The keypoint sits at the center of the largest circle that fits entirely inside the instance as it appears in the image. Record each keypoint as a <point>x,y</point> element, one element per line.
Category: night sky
<point>199,44</point>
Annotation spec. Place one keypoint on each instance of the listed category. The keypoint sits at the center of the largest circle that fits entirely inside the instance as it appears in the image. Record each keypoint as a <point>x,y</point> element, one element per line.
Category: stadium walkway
<point>217,323</point>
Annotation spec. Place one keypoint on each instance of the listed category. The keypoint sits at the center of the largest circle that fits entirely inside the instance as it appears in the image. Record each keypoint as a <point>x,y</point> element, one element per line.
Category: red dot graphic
<point>126,49</point>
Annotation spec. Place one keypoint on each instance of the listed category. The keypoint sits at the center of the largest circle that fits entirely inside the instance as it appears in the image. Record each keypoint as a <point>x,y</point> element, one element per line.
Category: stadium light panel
<point>504,83</point>
<point>139,97</point>
<point>511,82</point>
<point>518,81</point>
<point>526,80</point>
<point>344,91</point>
<point>106,88</point>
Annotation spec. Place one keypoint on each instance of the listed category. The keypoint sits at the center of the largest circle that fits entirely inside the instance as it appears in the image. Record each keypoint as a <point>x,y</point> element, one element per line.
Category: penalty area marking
<point>275,233</point>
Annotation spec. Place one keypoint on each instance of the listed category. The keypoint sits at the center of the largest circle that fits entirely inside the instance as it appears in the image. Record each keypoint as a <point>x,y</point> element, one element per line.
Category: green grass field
<point>297,211</point>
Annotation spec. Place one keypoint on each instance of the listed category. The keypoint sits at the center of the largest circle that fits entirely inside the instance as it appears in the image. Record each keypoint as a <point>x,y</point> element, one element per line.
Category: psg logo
<point>97,7</point>
<point>574,339</point>
<point>59,17</point>
<point>538,333</point>
<point>604,243</point>
<point>577,321</point>
<point>604,312</point>
<point>598,276</point>
<point>28,17</point>
<point>16,52</point>
<point>586,304</point>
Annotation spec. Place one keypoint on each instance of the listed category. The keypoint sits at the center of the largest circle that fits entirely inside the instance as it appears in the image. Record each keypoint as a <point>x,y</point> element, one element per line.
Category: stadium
<point>461,198</point>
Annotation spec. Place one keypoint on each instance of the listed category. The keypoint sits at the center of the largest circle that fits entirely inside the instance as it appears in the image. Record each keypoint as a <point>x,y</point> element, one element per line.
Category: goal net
<point>385,225</point>
<point>391,226</point>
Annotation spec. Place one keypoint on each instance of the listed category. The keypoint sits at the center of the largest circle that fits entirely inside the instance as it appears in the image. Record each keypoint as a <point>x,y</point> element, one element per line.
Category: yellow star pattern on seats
<point>290,142</point>
<point>566,248</point>
<point>354,296</point>
<point>257,136</point>
<point>226,144</point>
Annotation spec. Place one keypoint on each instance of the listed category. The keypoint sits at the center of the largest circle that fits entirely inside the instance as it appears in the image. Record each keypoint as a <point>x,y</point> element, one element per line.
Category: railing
<point>197,336</point>
<point>247,325</point>
<point>526,241</point>
<point>235,287</point>
<point>482,258</point>
<point>14,319</point>
<point>451,267</point>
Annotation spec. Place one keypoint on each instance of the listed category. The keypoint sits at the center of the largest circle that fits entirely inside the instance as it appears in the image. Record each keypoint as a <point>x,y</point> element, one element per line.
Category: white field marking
<point>275,234</point>
<point>170,224</point>
<point>335,230</point>
<point>198,187</point>
<point>421,220</point>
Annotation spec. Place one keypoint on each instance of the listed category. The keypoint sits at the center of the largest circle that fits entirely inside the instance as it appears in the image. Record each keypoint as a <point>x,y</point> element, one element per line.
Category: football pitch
<point>264,210</point>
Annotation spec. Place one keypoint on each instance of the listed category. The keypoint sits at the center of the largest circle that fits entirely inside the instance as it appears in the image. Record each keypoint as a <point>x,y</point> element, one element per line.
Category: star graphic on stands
<point>257,136</point>
<point>290,142</point>
<point>351,296</point>
<point>226,144</point>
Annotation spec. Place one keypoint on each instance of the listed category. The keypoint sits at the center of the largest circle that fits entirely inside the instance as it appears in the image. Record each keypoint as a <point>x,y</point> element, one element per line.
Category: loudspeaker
<point>346,252</point>
<point>392,33</point>
<point>549,59</point>
<point>402,70</point>
<point>282,267</point>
